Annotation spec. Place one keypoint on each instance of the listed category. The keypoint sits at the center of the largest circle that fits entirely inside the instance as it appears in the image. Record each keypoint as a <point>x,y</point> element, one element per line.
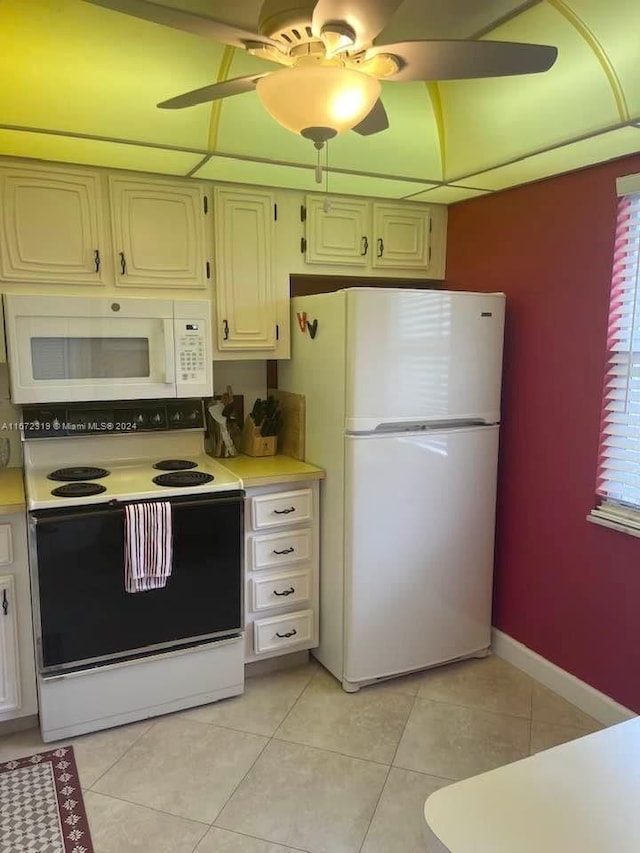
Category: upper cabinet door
<point>340,234</point>
<point>245,298</point>
<point>401,236</point>
<point>51,225</point>
<point>158,233</point>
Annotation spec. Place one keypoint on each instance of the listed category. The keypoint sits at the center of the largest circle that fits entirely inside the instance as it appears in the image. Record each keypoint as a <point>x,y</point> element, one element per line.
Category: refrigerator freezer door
<point>416,356</point>
<point>420,511</point>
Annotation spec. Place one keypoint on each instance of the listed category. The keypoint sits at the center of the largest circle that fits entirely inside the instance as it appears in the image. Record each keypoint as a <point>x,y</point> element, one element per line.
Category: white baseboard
<point>594,703</point>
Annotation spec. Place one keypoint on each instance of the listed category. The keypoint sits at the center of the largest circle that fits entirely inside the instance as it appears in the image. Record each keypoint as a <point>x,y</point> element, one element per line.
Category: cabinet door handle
<point>96,259</point>
<point>289,591</point>
<point>5,602</point>
<point>225,330</point>
<point>365,246</point>
<point>380,247</point>
<point>284,511</point>
<point>123,263</point>
<point>290,633</point>
<point>286,551</point>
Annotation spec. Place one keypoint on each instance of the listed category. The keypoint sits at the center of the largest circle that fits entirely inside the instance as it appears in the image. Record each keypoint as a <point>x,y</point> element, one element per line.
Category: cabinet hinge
<point>277,332</point>
<point>303,245</point>
<point>208,268</point>
<point>205,203</point>
<point>303,213</point>
<point>275,211</point>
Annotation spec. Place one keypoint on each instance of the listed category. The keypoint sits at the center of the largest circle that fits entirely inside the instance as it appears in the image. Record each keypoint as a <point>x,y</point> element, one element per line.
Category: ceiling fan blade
<point>375,122</point>
<point>179,19</point>
<point>214,92</point>
<point>458,60</point>
<point>365,17</point>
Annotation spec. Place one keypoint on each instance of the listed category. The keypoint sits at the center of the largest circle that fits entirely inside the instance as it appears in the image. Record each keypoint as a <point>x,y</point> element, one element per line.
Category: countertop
<point>581,796</point>
<point>12,497</point>
<point>270,470</point>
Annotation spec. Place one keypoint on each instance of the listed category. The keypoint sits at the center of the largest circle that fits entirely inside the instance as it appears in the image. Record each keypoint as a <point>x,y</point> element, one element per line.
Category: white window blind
<point>619,460</point>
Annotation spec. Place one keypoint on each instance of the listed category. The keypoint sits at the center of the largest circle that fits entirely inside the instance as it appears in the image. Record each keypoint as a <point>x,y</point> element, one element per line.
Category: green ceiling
<point>80,85</point>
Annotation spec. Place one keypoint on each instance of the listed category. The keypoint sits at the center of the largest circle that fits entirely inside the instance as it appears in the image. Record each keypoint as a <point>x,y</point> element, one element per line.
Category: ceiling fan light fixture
<point>328,97</point>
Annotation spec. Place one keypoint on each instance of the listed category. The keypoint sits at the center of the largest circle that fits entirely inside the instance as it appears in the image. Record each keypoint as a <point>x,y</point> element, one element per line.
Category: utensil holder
<point>254,444</point>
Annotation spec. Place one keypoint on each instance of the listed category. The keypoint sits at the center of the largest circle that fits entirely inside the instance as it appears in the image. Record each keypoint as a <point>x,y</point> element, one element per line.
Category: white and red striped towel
<point>148,545</point>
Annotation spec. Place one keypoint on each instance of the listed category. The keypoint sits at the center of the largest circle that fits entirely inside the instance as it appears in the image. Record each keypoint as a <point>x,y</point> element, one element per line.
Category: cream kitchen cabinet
<point>52,225</point>
<point>360,237</point>
<point>338,234</point>
<point>17,664</point>
<point>281,562</point>
<point>402,236</point>
<point>159,233</point>
<point>251,304</point>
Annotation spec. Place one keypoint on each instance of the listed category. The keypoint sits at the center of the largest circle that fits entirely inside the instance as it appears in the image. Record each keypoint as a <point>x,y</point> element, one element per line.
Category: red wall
<point>567,589</point>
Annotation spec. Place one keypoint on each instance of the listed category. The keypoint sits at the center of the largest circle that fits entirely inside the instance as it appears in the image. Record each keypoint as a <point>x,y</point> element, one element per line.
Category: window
<point>618,481</point>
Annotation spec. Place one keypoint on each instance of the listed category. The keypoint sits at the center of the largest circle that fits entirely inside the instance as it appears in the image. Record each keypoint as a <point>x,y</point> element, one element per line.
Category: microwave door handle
<point>169,354</point>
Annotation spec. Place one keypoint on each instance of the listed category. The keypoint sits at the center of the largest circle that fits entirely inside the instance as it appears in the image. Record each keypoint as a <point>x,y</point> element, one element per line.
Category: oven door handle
<point>118,507</point>
<point>169,353</point>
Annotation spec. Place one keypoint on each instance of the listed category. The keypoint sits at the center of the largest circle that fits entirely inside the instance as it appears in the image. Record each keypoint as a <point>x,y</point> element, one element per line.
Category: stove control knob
<point>177,417</point>
<point>194,415</point>
<point>156,418</point>
<point>139,419</point>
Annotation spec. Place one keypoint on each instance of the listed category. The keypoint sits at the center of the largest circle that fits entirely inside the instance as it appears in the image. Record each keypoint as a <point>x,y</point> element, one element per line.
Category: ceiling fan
<point>333,63</point>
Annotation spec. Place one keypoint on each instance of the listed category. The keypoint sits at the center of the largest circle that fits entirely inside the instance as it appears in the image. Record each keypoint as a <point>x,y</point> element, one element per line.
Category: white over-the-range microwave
<point>66,348</point>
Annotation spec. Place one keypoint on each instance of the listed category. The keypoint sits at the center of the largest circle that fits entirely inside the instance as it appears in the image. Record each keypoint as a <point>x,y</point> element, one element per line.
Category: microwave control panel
<point>191,366</point>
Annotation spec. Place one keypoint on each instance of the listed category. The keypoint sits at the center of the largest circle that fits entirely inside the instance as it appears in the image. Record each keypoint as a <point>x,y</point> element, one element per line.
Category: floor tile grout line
<point>253,764</point>
<point>269,740</point>
<point>290,711</point>
<point>131,745</point>
<point>253,837</point>
<point>202,823</point>
<point>386,778</point>
<point>473,708</point>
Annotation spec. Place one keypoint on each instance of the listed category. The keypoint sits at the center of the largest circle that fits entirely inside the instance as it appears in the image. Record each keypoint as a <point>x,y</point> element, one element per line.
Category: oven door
<point>82,613</point>
<point>63,349</point>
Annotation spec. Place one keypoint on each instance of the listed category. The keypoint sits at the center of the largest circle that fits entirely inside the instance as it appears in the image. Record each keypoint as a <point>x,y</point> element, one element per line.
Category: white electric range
<point>105,656</point>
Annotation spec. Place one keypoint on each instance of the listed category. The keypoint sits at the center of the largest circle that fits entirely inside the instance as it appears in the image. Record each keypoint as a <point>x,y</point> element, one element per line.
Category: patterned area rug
<point>41,806</point>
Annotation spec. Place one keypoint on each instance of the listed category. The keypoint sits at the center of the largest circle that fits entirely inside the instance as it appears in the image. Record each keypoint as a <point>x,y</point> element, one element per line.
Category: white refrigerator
<point>402,395</point>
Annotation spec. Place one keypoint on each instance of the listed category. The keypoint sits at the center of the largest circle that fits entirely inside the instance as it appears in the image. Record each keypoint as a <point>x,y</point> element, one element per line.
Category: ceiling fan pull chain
<point>327,202</point>
<point>318,168</point>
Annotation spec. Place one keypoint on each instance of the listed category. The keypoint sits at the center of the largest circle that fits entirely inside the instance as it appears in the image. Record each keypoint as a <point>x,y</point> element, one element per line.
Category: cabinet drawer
<point>278,590</point>
<point>278,632</point>
<point>280,549</point>
<point>282,508</point>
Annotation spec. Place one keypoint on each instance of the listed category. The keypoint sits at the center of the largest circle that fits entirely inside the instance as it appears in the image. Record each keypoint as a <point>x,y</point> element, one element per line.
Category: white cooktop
<point>128,458</point>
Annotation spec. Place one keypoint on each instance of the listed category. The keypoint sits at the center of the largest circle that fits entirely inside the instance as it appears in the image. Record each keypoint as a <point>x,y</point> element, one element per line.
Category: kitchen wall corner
<point>248,378</point>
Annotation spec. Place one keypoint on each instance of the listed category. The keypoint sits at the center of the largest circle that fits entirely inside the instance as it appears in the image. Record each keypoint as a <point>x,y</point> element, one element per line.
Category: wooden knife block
<point>254,444</point>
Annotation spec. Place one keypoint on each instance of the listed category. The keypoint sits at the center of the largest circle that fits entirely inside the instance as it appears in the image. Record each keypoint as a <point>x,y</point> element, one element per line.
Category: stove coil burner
<point>78,490</point>
<point>78,472</point>
<point>183,478</point>
<point>175,465</point>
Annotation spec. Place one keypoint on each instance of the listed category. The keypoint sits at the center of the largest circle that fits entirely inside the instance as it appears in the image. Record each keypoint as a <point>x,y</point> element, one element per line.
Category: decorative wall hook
<point>302,320</point>
<point>313,328</point>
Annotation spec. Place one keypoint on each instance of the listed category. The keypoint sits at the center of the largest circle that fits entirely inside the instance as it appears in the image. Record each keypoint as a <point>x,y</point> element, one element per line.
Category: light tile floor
<point>296,764</point>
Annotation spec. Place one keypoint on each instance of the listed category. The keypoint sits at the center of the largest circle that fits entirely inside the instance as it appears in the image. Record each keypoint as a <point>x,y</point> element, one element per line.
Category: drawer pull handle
<point>290,633</point>
<point>5,602</point>
<point>286,551</point>
<point>284,511</point>
<point>285,591</point>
